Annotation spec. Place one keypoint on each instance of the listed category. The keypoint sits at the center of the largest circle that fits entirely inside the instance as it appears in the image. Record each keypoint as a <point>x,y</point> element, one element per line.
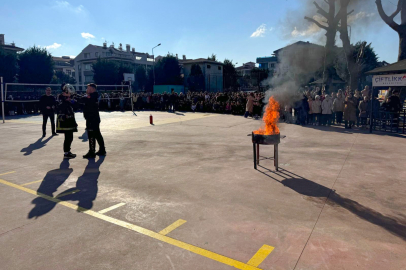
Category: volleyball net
<point>21,98</point>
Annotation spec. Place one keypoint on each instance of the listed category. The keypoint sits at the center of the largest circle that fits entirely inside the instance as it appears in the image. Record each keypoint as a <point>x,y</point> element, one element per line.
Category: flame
<point>271,117</point>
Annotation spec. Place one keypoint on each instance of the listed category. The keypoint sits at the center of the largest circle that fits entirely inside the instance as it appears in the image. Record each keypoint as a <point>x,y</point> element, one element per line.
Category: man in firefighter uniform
<point>91,114</point>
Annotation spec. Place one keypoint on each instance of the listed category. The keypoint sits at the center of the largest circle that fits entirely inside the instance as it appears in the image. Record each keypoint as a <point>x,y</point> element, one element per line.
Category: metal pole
<point>371,114</point>
<point>153,68</point>
<point>2,99</point>
<point>131,98</point>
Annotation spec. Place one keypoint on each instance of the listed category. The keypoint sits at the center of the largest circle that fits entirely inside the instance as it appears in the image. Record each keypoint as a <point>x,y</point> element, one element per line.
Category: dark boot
<point>90,155</point>
<point>101,152</point>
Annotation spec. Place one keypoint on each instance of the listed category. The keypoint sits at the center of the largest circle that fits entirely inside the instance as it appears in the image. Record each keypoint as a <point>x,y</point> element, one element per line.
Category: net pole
<point>2,99</point>
<point>131,98</point>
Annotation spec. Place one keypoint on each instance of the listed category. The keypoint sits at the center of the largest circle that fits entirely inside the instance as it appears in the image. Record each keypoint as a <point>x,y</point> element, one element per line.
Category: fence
<point>392,122</point>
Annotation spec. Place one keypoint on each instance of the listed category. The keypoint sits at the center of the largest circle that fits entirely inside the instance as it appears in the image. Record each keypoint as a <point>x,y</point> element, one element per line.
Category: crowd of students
<point>319,108</point>
<point>214,102</point>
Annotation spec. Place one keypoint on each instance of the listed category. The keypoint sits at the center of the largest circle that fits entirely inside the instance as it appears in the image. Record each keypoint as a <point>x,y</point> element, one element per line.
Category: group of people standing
<point>66,122</point>
<point>319,108</point>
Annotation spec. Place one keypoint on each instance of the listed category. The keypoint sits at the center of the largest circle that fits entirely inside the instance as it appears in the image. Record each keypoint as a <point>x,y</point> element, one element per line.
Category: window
<point>79,67</point>
<point>96,54</point>
<point>88,78</point>
<point>208,66</point>
<point>87,55</point>
<point>69,72</point>
<point>108,53</point>
<point>219,68</point>
<point>88,67</point>
<point>272,65</point>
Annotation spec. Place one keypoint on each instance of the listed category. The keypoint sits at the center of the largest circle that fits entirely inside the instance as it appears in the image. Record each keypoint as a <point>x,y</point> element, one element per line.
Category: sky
<point>234,29</point>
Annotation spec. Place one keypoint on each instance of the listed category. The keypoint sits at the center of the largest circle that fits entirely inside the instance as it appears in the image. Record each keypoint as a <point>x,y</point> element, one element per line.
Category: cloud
<point>53,46</point>
<point>260,32</point>
<point>64,5</point>
<point>87,35</point>
<point>311,30</point>
<point>362,15</point>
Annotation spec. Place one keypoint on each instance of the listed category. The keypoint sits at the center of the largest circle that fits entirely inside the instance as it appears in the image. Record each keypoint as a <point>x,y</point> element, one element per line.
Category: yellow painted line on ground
<point>7,173</point>
<point>33,182</point>
<point>260,256</point>
<point>135,228</point>
<point>172,227</point>
<point>67,193</point>
<point>111,208</point>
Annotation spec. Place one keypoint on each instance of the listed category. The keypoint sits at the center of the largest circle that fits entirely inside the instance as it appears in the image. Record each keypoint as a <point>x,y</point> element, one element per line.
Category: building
<point>267,62</point>
<point>245,69</point>
<point>9,47</point>
<point>297,58</point>
<point>89,55</point>
<point>64,64</point>
<point>212,72</point>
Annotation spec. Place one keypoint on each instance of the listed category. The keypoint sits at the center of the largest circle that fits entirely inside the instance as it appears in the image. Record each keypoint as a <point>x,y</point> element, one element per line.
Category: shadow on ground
<point>394,225</point>
<point>84,137</point>
<point>35,146</point>
<point>85,191</point>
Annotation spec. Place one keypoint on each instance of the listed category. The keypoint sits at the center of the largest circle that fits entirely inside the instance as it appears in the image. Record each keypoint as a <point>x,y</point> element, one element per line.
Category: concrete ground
<point>183,194</point>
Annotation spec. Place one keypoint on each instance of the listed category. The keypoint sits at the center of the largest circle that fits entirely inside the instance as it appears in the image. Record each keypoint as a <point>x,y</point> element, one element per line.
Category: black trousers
<point>45,120</point>
<point>339,117</point>
<point>95,135</point>
<point>68,141</point>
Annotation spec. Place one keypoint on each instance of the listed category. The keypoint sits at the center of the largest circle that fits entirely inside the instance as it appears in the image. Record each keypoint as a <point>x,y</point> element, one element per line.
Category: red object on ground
<point>151,120</point>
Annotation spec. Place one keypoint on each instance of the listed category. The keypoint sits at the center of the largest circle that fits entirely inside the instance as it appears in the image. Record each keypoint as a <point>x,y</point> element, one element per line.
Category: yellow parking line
<point>260,256</point>
<point>67,193</point>
<point>135,228</point>
<point>33,182</point>
<point>7,173</point>
<point>111,208</point>
<point>172,227</point>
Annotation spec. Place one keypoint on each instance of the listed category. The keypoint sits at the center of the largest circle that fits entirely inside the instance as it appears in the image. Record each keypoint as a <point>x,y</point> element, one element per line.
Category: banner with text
<point>389,80</point>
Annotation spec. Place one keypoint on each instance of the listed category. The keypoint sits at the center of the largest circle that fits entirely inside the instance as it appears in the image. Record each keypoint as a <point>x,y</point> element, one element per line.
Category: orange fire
<point>271,117</point>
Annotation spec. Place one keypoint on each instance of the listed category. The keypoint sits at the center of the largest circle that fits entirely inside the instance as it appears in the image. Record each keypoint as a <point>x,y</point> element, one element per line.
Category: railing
<point>393,122</point>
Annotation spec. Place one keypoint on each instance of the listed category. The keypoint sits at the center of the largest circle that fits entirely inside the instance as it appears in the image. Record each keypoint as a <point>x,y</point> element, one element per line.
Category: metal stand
<point>255,147</point>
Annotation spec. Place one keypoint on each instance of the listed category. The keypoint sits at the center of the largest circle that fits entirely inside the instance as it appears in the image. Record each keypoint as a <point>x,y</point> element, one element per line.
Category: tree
<point>105,72</point>
<point>168,71</point>
<point>364,58</point>
<point>348,48</point>
<point>229,74</point>
<point>213,57</point>
<point>36,66</point>
<point>398,28</point>
<point>8,66</point>
<point>258,75</point>
<point>196,78</point>
<point>61,77</point>
<point>140,78</point>
<point>123,68</point>
<point>330,25</point>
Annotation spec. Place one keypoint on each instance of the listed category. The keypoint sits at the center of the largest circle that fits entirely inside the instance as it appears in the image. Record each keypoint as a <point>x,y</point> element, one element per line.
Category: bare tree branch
<point>321,11</point>
<point>388,20</point>
<point>326,1</point>
<point>398,9</point>
<point>316,23</point>
<point>349,13</point>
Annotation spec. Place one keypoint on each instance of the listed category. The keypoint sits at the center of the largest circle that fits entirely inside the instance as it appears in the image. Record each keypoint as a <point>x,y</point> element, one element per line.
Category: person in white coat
<point>327,110</point>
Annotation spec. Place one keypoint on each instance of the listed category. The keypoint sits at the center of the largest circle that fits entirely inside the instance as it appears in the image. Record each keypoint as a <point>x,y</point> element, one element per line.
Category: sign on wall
<point>389,80</point>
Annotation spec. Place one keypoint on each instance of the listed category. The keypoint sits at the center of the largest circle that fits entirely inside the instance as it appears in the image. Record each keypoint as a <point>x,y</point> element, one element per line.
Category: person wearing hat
<point>66,122</point>
<point>91,114</point>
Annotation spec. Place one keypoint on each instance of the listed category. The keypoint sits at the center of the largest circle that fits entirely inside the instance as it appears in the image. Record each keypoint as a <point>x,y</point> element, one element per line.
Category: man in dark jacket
<point>91,114</point>
<point>47,105</point>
